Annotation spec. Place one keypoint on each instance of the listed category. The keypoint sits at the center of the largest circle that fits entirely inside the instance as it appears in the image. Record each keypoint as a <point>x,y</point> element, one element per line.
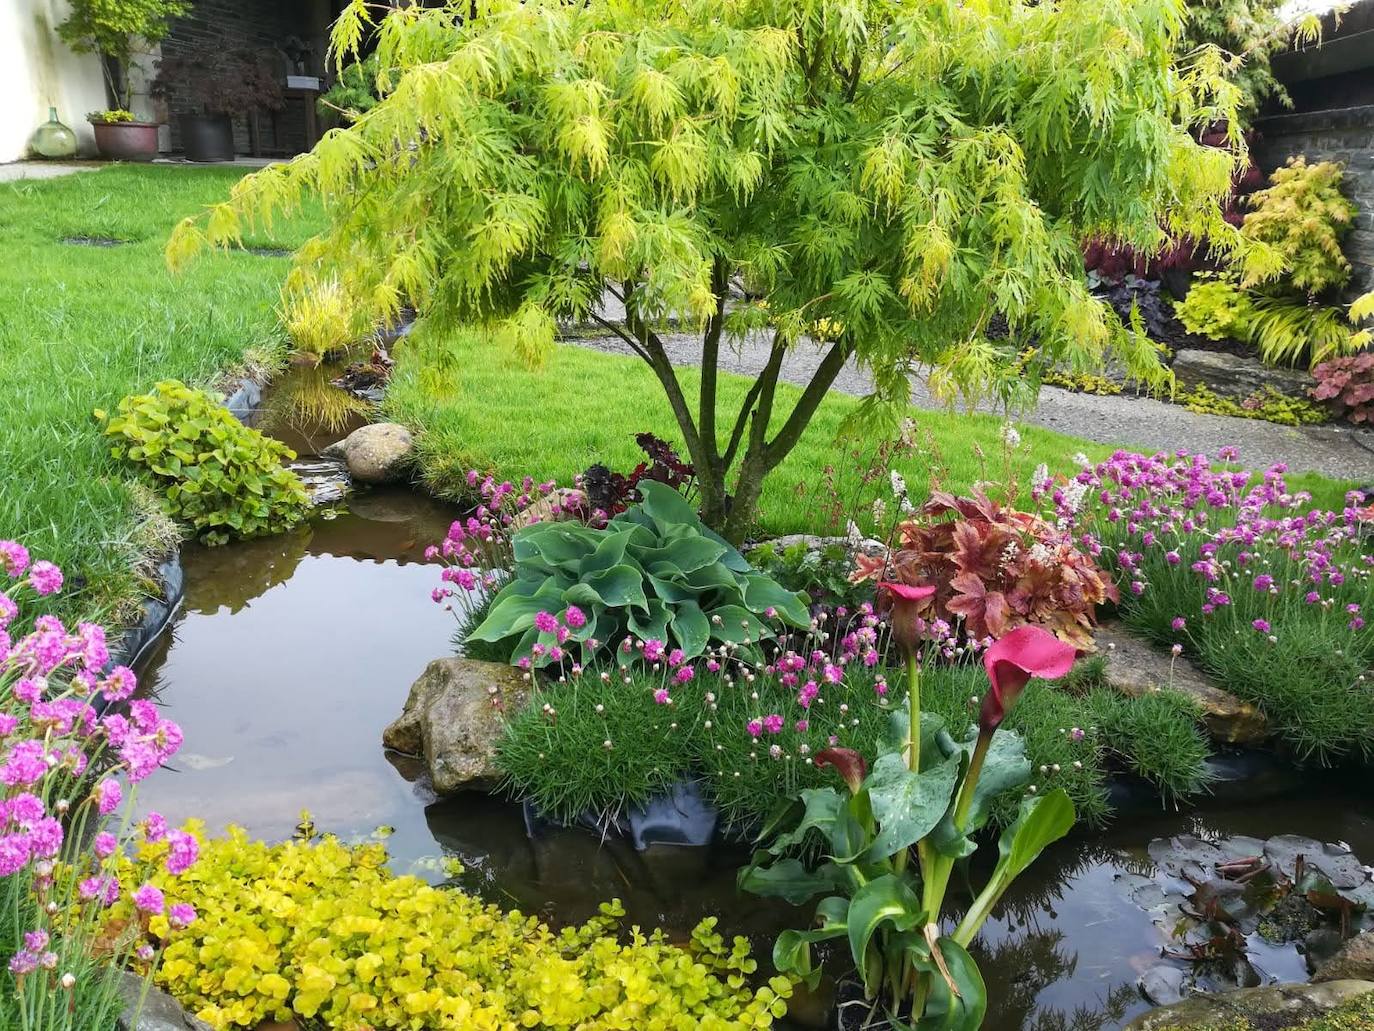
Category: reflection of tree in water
<point>231,576</point>
<point>1032,962</point>
<point>1036,891</point>
<point>1111,1014</point>
<point>304,402</point>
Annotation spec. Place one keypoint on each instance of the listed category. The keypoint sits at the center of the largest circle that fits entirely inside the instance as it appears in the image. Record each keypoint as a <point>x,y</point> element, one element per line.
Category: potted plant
<point>109,28</point>
<point>211,87</point>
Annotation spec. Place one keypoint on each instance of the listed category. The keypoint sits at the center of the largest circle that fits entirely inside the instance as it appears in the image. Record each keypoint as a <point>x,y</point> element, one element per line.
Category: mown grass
<point>85,325</point>
<point>478,407</point>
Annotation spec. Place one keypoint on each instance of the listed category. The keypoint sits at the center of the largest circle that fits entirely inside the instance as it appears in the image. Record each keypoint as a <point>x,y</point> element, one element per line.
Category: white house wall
<point>38,71</point>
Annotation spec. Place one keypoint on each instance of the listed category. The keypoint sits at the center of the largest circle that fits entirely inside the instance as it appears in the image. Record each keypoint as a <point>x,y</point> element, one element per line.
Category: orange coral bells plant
<point>996,569</point>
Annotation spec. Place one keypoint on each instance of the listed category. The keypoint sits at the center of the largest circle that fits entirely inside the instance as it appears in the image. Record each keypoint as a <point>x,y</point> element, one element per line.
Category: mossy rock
<point>1333,1006</point>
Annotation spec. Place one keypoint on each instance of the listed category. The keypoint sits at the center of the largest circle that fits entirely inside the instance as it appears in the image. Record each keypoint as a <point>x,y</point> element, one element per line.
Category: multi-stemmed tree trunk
<point>730,468</point>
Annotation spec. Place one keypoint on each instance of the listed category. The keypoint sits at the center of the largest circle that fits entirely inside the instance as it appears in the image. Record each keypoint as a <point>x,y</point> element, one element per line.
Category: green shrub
<point>654,571</point>
<point>822,573</point>
<point>1216,307</point>
<point>1304,215</point>
<point>223,478</point>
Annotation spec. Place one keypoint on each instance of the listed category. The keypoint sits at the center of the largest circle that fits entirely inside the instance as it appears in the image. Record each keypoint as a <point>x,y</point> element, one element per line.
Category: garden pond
<point>291,653</point>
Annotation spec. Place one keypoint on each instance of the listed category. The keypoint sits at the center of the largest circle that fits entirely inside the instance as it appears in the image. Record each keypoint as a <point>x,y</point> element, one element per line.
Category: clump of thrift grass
<point>1269,594</point>
<point>746,723</point>
<point>74,744</point>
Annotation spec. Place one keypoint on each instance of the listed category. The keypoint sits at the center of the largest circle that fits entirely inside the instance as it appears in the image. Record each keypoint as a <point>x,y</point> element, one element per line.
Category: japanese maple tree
<point>874,180</point>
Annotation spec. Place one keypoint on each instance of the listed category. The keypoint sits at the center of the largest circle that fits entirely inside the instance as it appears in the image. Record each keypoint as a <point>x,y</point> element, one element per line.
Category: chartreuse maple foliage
<point>896,172</point>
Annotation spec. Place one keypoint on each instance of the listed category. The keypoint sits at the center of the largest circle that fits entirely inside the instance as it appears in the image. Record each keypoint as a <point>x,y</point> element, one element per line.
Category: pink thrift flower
<point>108,794</point>
<point>684,674</point>
<point>45,578</point>
<point>105,844</point>
<point>149,899</point>
<point>182,852</point>
<point>755,728</point>
<point>802,726</point>
<point>14,853</point>
<point>14,557</point>
<point>653,650</point>
<point>1262,625</point>
<point>154,827</point>
<point>676,657</point>
<point>773,723</point>
<point>661,696</point>
<point>1178,623</point>
<point>45,838</point>
<point>182,914</point>
<point>575,617</point>
<point>545,622</point>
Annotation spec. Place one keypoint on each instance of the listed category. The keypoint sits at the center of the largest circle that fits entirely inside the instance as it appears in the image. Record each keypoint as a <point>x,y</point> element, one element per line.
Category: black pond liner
<point>682,816</point>
<point>269,252</point>
<point>95,241</point>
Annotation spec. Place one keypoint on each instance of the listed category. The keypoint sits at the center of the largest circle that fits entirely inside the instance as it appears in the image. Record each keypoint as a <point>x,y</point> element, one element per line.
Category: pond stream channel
<point>291,653</point>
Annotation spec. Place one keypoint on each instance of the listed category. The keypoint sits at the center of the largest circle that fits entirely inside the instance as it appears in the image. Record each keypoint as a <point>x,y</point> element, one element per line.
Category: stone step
<point>1136,667</point>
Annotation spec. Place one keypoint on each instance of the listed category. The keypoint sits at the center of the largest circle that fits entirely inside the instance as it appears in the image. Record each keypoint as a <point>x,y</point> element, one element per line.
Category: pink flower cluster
<point>63,715</point>
<point>477,551</point>
<point>1250,545</point>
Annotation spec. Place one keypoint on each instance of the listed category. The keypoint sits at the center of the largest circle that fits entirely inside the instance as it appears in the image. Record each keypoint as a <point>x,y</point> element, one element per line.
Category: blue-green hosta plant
<point>654,572</point>
<point>926,794</point>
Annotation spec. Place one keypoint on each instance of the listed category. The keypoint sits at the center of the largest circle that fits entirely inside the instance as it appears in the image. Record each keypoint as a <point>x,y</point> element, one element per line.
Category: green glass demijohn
<point>52,139</point>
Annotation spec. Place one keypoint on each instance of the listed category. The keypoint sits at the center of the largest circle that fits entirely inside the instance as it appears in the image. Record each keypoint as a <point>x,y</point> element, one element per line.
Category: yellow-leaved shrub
<point>323,932</point>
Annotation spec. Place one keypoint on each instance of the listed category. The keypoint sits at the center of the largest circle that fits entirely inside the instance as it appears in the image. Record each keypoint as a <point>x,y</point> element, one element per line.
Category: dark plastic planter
<point>126,141</point>
<point>207,137</point>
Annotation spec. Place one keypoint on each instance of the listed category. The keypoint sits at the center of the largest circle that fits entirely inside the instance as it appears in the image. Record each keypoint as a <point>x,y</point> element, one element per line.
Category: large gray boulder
<point>1354,961</point>
<point>381,452</point>
<point>454,717</point>
<point>1270,1006</point>
<point>160,1012</point>
<point>1235,377</point>
<point>1135,667</point>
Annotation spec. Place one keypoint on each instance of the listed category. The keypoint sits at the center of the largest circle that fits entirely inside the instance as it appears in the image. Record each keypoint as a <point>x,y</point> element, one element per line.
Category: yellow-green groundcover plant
<point>323,932</point>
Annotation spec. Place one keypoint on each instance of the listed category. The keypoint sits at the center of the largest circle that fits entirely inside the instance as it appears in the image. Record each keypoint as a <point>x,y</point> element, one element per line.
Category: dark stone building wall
<point>260,26</point>
<point>1332,119</point>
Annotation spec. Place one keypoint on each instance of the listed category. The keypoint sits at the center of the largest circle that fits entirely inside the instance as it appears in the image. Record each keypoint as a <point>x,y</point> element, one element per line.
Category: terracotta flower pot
<point>126,141</point>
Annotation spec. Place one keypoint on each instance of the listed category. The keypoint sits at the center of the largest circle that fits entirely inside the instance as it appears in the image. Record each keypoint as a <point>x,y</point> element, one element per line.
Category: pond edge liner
<point>156,613</point>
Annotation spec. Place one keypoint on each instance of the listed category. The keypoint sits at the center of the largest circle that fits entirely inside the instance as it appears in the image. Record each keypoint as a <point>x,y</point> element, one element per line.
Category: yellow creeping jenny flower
<point>323,931</point>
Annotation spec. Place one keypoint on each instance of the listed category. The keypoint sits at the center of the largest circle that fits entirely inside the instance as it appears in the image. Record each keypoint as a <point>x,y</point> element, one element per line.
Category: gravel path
<point>1136,422</point>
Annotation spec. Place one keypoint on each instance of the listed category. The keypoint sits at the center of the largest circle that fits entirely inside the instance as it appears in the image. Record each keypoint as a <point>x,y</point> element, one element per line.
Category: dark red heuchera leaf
<point>994,568</point>
<point>848,763</point>
<point>1026,652</point>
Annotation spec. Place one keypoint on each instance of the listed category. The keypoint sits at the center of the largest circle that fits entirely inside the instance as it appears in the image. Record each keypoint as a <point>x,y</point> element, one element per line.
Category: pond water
<point>292,653</point>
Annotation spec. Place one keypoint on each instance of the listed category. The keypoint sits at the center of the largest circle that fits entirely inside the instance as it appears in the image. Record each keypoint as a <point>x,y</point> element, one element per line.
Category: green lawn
<point>83,326</point>
<point>476,407</point>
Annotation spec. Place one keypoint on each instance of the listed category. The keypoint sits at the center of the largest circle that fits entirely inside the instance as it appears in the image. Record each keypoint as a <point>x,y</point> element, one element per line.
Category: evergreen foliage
<point>871,179</point>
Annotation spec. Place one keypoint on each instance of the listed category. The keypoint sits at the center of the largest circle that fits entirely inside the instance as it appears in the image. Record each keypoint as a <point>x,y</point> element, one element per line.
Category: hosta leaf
<point>691,628</point>
<point>762,592</point>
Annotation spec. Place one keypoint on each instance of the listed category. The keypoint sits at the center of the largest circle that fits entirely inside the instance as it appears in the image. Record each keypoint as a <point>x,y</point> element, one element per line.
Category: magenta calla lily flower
<point>848,763</point>
<point>906,602</point>
<point>1026,652</point>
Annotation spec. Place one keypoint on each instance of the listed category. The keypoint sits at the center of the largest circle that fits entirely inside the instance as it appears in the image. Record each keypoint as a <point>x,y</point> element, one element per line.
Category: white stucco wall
<point>38,71</point>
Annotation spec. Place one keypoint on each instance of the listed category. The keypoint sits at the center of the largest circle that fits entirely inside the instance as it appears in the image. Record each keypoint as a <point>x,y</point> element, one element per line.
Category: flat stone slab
<point>1136,667</point>
<point>1232,376</point>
